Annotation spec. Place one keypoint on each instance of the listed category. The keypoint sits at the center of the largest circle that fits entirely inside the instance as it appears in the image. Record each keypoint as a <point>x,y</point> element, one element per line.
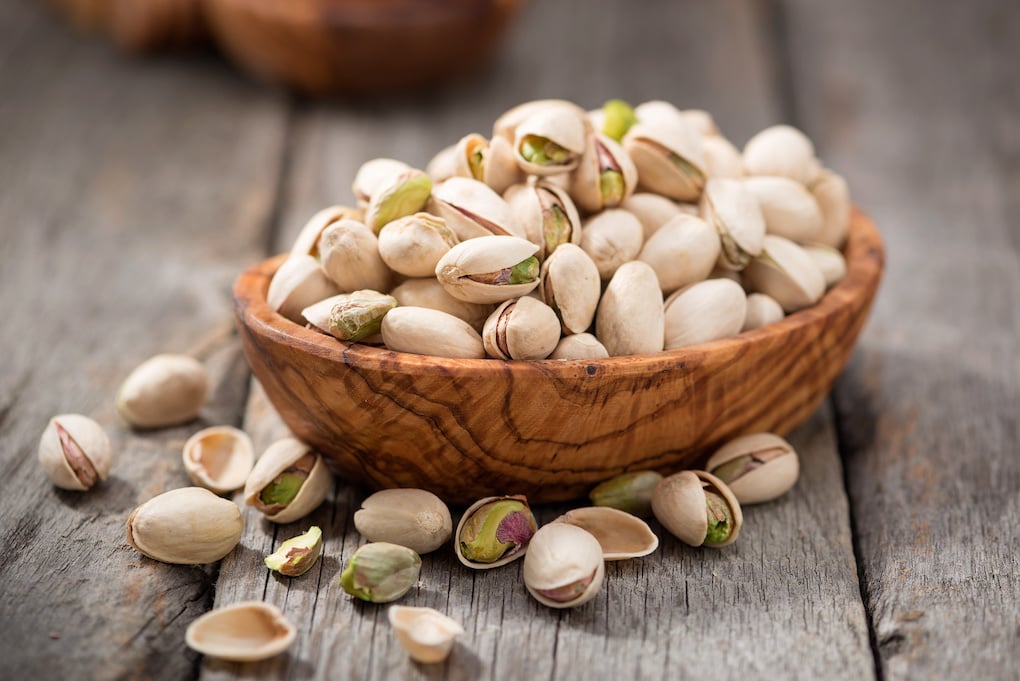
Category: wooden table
<point>132,193</point>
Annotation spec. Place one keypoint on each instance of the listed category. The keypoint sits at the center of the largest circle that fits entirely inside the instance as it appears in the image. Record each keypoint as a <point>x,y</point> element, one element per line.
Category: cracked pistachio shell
<point>788,208</point>
<point>564,567</point>
<point>188,526</point>
<point>350,317</point>
<point>651,210</point>
<point>551,140</point>
<point>612,238</point>
<point>443,165</point>
<point>546,214</point>
<point>757,468</point>
<point>288,458</point>
<point>506,125</point>
<point>833,197</point>
<point>297,555</point>
<point>489,269</point>
<point>490,162</point>
<point>782,150</point>
<point>424,331</point>
<point>413,245</point>
<point>428,292</point>
<point>298,283</point>
<point>680,504</point>
<point>605,175</point>
<point>413,518</point>
<point>374,174</point>
<point>786,272</point>
<point>630,317</point>
<point>579,346</point>
<point>472,209</point>
<point>349,253</point>
<point>381,572</point>
<point>307,242</point>
<point>75,452</point>
<point>722,159</point>
<point>620,534</point>
<point>667,155</point>
<point>403,194</point>
<point>703,312</point>
<point>165,390</point>
<point>426,634</point>
<point>242,632</point>
<point>219,458</point>
<point>830,261</point>
<point>571,287</point>
<point>494,531</point>
<point>733,211</point>
<point>761,311</point>
<point>682,252</point>
<point>629,492</point>
<point>522,328</point>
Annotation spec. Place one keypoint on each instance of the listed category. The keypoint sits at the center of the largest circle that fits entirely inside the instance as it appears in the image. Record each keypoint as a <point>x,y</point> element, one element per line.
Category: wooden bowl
<point>552,429</point>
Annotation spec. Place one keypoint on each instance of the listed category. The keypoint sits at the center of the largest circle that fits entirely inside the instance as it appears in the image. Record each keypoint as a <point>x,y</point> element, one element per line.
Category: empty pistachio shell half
<point>494,531</point>
<point>620,534</point>
<point>413,518</point>
<point>651,210</point>
<point>605,175</point>
<point>830,261</point>
<point>75,452</point>
<point>472,209</point>
<point>682,252</point>
<point>423,331</point>
<point>788,207</point>
<point>612,238</point>
<point>782,150</point>
<point>413,245</point>
<point>761,310</point>
<point>489,269</point>
<point>630,319</point>
<point>349,253</point>
<point>546,214</point>
<point>698,509</point>
<point>243,632</point>
<point>703,312</point>
<point>550,141</point>
<point>571,286</point>
<point>298,283</point>
<point>564,567</point>
<point>759,467</point>
<point>629,492</point>
<point>579,346</point>
<point>187,526</point>
<point>374,174</point>
<point>428,292</point>
<point>351,317</point>
<point>289,481</point>
<point>833,196</point>
<point>297,555</point>
<point>381,572</point>
<point>400,195</point>
<point>732,209</point>
<point>164,390</point>
<point>219,458</point>
<point>786,272</point>
<point>426,634</point>
<point>307,242</point>
<point>667,154</point>
<point>523,328</point>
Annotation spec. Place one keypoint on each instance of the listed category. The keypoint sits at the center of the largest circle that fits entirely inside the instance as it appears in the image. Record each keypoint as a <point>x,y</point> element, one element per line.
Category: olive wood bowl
<point>549,429</point>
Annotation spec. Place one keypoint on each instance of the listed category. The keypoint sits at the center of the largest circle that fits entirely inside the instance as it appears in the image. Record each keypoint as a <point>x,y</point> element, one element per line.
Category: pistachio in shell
<point>472,209</point>
<point>494,531</point>
<point>187,526</point>
<point>733,211</point>
<point>550,141</point>
<point>506,125</point>
<point>298,283</point>
<point>698,509</point>
<point>307,242</point>
<point>424,331</point>
<point>404,194</point>
<point>349,253</point>
<point>426,634</point>
<point>579,346</point>
<point>788,208</point>
<point>414,518</point>
<point>605,175</point>
<point>75,452</point>
<point>428,292</point>
<point>628,492</point>
<point>612,238</point>
<point>761,311</point>
<point>489,269</point>
<point>620,534</point>
<point>571,286</point>
<point>288,482</point>
<point>373,175</point>
<point>412,245</point>
<point>830,261</point>
<point>787,273</point>
<point>546,214</point>
<point>249,631</point>
<point>630,319</point>
<point>667,154</point>
<point>757,468</point>
<point>682,252</point>
<point>165,390</point>
<point>351,317</point>
<point>833,196</point>
<point>521,328</point>
<point>782,150</point>
<point>564,567</point>
<point>219,458</point>
<point>381,572</point>
<point>491,162</point>
<point>651,210</point>
<point>722,159</point>
<point>703,312</point>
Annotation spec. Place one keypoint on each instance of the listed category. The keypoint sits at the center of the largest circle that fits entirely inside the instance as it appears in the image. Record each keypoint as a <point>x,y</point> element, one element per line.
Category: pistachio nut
<point>656,110</point>
<point>413,245</point>
<point>830,261</point>
<point>571,287</point>
<point>703,312</point>
<point>424,331</point>
<point>489,269</point>
<point>833,196</point>
<point>426,634</point>
<point>788,208</point>
<point>403,194</point>
<point>782,150</point>
<point>651,210</point>
<point>617,117</point>
<point>413,518</point>
<point>472,209</point>
<point>786,272</point>
<point>351,317</point>
<point>506,125</point>
<point>757,468</point>
<point>75,452</point>
<point>667,154</point>
<point>431,294</point>
<point>219,458</point>
<point>620,534</point>
<point>297,555</point>
<point>494,531</point>
<point>546,214</point>
<point>288,482</point>
<point>732,209</point>
<point>521,328</point>
<point>564,567</point>
<point>550,141</point>
<point>187,526</point>
<point>701,121</point>
<point>630,317</point>
<point>722,159</point>
<point>298,283</point>
<point>489,162</point>
<point>307,242</point>
<point>761,311</point>
<point>682,252</point>
<point>605,175</point>
<point>443,165</point>
<point>373,175</point>
<point>698,509</point>
<point>579,346</point>
<point>629,492</point>
<point>249,631</point>
<point>612,238</point>
<point>165,390</point>
<point>349,253</point>
<point>381,572</point>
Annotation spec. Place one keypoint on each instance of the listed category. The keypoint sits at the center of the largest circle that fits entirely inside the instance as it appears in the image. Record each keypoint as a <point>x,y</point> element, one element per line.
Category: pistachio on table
<point>288,482</point>
<point>297,555</point>
<point>564,567</point>
<point>187,526</point>
<point>494,531</point>
<point>75,452</point>
<point>698,509</point>
<point>620,534</point>
<point>756,468</point>
<point>381,572</point>
<point>629,492</point>
<point>249,631</point>
<point>219,458</point>
<point>426,634</point>
<point>414,518</point>
<point>165,390</point>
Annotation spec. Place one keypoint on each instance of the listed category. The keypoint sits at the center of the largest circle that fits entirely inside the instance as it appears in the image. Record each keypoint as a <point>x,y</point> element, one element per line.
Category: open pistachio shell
<point>472,209</point>
<point>605,175</point>
<point>428,292</point>
<point>188,526</point>
<point>289,481</point>
<point>782,150</point>
<point>243,632</point>
<point>703,312</point>
<point>667,154</point>
<point>426,634</point>
<point>351,317</point>
<point>628,492</point>
<point>443,165</point>
<point>761,310</point>
<point>489,162</point>
<point>413,245</point>
<point>788,208</point>
<point>298,283</point>
<point>651,210</point>
<point>546,214</point>
<point>830,261</point>
<point>219,458</point>
<point>424,331</point>
<point>550,141</point>
<point>722,159</point>
<point>521,328</point>
<point>506,125</point>
<point>403,194</point>
<point>296,555</point>
<point>621,535</point>
<point>757,468</point>
<point>630,318</point>
<point>682,504</point>
<point>612,238</point>
<point>414,518</point>
<point>489,269</point>
<point>732,209</point>
<point>787,273</point>
<point>579,346</point>
<point>349,253</point>
<point>571,287</point>
<point>682,252</point>
<point>374,174</point>
<point>307,242</point>
<point>564,567</point>
<point>833,196</point>
<point>494,531</point>
<point>75,452</point>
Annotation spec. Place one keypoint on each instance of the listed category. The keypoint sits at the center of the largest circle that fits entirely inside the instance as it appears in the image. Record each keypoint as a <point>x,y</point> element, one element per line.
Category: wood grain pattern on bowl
<point>552,429</point>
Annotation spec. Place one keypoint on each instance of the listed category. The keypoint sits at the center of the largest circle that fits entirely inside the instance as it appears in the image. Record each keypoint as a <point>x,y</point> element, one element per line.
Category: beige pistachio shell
<point>679,504</point>
<point>413,245</point>
<point>413,518</point>
<point>605,175</point>
<point>486,258</point>
<point>722,159</point>
<point>424,331</point>
<point>612,238</point>
<point>298,283</point>
<point>518,537</point>
<point>571,287</point>
<point>522,328</point>
<point>833,196</point>
<point>373,175</point>
<point>75,452</point>
<point>787,273</point>
<point>564,127</point>
<point>546,214</point>
<point>682,252</point>
<point>351,317</point>
<point>762,467</point>
<point>188,526</point>
<point>630,317</point>
<point>219,458</point>
<point>703,312</point>
<point>403,194</point>
<point>275,461</point>
<point>490,162</point>
<point>621,535</point>
<point>830,261</point>
<point>428,292</point>
<point>506,125</point>
<point>782,150</point>
<point>788,208</point>
<point>426,634</point>
<point>165,390</point>
<point>702,121</point>
<point>579,346</point>
<point>443,165</point>
<point>761,311</point>
<point>657,110</point>
<point>349,253</point>
<point>472,209</point>
<point>651,210</point>
<point>733,211</point>
<point>564,567</point>
<point>667,154</point>
<point>242,632</point>
<point>307,242</point>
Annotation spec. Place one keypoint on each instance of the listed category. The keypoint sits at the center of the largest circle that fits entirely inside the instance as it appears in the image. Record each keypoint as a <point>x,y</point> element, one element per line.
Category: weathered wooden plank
<point>919,109</point>
<point>132,194</point>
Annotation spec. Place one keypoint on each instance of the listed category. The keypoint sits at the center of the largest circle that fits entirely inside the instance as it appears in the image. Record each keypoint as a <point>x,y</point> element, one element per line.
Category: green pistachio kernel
<point>543,152</point>
<point>612,187</point>
<point>619,117</point>
<point>720,519</point>
<point>360,315</point>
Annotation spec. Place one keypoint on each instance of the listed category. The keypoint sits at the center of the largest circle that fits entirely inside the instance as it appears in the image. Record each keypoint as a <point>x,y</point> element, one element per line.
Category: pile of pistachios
<point>573,235</point>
